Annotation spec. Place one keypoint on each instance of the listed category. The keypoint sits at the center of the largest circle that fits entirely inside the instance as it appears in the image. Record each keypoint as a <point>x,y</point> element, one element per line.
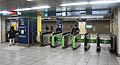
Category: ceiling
<point>12,4</point>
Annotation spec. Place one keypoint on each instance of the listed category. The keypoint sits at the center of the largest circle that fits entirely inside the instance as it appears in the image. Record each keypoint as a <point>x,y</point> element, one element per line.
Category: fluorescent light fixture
<point>46,18</point>
<point>92,16</point>
<point>24,9</point>
<point>84,17</point>
<point>30,0</point>
<point>74,4</point>
<point>91,2</point>
<point>4,12</point>
<point>104,2</point>
<point>32,8</point>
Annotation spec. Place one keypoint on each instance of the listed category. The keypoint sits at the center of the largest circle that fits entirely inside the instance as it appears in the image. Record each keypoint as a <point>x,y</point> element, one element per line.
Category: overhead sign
<point>101,12</point>
<point>88,26</point>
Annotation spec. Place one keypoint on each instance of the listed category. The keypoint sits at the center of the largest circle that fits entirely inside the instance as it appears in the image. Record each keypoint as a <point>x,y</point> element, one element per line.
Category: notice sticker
<point>22,32</point>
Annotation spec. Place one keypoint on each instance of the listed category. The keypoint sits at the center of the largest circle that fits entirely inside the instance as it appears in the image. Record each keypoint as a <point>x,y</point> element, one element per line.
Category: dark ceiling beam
<point>57,1</point>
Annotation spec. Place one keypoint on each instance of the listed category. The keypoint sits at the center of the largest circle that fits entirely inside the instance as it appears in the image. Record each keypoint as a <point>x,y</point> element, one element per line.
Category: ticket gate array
<point>67,39</point>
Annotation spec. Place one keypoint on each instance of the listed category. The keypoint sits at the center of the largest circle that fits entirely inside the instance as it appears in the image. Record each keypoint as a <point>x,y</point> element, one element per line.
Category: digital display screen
<point>88,26</point>
<point>58,14</point>
<point>76,13</point>
<point>101,12</point>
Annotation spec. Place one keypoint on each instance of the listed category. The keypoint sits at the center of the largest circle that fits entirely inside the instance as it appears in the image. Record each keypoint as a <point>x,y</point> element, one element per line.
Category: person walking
<point>77,29</point>
<point>72,29</point>
<point>11,35</point>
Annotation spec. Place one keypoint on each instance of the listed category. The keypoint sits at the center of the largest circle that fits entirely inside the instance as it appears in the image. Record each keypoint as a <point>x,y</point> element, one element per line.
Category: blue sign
<point>23,30</point>
<point>26,30</point>
<point>59,23</point>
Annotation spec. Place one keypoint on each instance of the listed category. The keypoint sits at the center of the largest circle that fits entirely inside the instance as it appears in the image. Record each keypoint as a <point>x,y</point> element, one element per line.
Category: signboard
<point>101,12</point>
<point>23,30</point>
<point>59,25</point>
<point>76,13</point>
<point>88,26</point>
<point>84,12</point>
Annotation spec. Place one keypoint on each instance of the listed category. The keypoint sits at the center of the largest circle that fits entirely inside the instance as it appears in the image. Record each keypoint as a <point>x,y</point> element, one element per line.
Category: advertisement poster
<point>59,25</point>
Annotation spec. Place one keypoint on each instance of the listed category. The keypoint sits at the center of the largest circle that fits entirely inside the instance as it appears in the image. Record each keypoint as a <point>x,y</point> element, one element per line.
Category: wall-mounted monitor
<point>88,26</point>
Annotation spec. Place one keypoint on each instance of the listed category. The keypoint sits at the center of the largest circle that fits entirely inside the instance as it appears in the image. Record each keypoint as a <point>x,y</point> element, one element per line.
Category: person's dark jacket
<point>73,30</point>
<point>11,33</point>
<point>77,29</point>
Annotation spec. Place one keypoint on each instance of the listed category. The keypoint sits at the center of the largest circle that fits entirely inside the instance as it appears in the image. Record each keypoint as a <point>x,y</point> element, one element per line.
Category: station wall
<point>66,25</point>
<point>99,26</point>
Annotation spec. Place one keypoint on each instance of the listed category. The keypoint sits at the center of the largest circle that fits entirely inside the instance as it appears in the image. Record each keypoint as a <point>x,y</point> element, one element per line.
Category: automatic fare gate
<point>66,40</point>
<point>61,38</point>
<point>56,39</point>
<point>76,41</point>
<point>86,40</point>
<point>98,40</point>
<point>46,38</point>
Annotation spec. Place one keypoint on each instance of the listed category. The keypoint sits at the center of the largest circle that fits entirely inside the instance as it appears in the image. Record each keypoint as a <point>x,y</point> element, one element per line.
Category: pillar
<point>118,33</point>
<point>2,29</point>
<point>39,26</point>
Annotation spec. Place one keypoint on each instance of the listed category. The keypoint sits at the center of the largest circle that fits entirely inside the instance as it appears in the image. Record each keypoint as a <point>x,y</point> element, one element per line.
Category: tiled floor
<point>17,55</point>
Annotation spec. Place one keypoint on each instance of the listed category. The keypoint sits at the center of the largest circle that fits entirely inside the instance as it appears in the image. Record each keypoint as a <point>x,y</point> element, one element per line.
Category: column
<point>39,26</point>
<point>118,33</point>
<point>2,29</point>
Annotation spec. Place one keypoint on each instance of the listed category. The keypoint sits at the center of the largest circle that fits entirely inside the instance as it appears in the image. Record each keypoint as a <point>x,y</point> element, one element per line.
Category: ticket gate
<point>76,41</point>
<point>56,39</point>
<point>66,40</point>
<point>86,41</point>
<point>45,38</point>
<point>112,47</point>
<point>98,43</point>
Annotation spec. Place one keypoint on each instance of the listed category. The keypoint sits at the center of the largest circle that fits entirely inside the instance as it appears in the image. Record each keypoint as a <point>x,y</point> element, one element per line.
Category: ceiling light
<point>24,9</point>
<point>40,7</point>
<point>74,4</point>
<point>30,0</point>
<point>91,2</point>
<point>84,17</point>
<point>104,2</point>
<point>92,17</point>
<point>32,8</point>
<point>5,12</point>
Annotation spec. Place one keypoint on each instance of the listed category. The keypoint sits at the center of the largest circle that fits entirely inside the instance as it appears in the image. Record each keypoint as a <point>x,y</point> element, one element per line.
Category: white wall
<point>82,27</point>
<point>116,28</point>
